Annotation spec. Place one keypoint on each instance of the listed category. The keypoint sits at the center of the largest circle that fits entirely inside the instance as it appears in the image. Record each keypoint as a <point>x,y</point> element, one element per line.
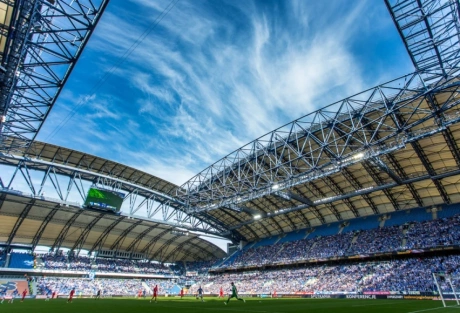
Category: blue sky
<point>214,75</point>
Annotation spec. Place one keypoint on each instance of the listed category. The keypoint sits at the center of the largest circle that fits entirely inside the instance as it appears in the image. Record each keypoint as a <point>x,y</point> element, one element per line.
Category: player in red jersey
<point>221,292</point>
<point>274,295</point>
<point>155,293</point>
<point>181,293</point>
<point>53,295</point>
<point>24,294</point>
<point>72,292</point>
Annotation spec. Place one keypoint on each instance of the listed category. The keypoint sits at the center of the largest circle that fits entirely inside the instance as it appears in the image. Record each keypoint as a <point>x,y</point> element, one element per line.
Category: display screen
<point>103,199</point>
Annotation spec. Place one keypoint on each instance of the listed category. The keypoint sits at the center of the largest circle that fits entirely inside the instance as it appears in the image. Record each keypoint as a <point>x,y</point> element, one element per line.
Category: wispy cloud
<point>214,75</point>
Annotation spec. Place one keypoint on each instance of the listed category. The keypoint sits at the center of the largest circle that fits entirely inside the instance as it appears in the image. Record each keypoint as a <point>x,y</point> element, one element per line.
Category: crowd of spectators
<point>412,274</point>
<point>409,274</point>
<point>147,267</point>
<point>417,235</point>
<point>377,240</point>
<point>83,263</point>
<point>440,232</point>
<point>54,262</point>
<point>200,267</point>
<point>330,246</point>
<point>115,265</point>
<point>260,255</point>
<point>178,268</point>
<point>108,287</point>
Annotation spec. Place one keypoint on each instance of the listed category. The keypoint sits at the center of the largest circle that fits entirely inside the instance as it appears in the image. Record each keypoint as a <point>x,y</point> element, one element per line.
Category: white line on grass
<point>450,307</point>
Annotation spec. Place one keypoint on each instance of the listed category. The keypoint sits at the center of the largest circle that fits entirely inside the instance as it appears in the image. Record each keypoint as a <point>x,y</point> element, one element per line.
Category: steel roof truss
<point>84,234</point>
<point>61,237</point>
<point>19,221</point>
<point>358,186</point>
<point>426,163</point>
<point>374,175</point>
<point>43,225</point>
<point>47,50</point>
<point>133,245</point>
<point>118,242</point>
<point>388,100</point>
<point>101,239</point>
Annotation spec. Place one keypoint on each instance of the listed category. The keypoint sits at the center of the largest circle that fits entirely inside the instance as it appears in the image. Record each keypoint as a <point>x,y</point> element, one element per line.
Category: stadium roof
<point>80,160</point>
<point>33,221</point>
<point>390,148</point>
<point>394,149</point>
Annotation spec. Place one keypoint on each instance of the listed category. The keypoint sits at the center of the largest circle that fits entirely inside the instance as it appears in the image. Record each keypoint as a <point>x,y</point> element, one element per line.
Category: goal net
<point>447,285</point>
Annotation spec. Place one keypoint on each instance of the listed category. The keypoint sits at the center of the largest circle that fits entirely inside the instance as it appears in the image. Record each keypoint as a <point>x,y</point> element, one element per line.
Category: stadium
<point>351,207</point>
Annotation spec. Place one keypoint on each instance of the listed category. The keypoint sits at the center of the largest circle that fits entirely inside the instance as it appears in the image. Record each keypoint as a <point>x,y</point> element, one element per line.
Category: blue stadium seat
<point>362,224</point>
<point>21,260</point>
<point>449,210</point>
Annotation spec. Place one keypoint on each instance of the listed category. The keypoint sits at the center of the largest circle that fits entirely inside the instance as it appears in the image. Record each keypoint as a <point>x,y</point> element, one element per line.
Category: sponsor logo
<point>418,297</point>
<point>360,297</point>
<point>321,296</point>
<point>395,297</point>
<point>413,292</point>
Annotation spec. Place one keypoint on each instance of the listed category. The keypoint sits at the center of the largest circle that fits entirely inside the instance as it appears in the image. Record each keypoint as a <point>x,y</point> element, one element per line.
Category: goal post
<point>438,281</point>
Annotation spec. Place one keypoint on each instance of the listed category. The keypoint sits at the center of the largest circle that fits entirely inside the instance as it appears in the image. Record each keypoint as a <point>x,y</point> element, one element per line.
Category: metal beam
<point>331,207</point>
<point>19,221</point>
<point>117,243</point>
<point>77,176</point>
<point>61,237</point>
<point>402,174</point>
<point>452,144</point>
<point>357,185</point>
<point>104,235</point>
<point>165,245</point>
<point>180,246</point>
<point>141,236</point>
<point>427,164</point>
<point>231,180</point>
<point>43,225</point>
<point>84,234</point>
<point>429,30</point>
<point>49,37</point>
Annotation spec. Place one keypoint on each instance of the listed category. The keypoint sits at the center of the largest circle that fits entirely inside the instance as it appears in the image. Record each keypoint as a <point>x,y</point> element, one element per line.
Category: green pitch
<point>211,305</point>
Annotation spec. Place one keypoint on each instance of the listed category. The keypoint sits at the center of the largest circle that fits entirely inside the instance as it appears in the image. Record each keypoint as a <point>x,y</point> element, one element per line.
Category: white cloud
<point>204,83</point>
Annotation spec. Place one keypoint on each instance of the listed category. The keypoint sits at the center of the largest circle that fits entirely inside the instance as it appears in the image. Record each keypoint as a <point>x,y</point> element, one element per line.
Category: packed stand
<point>147,267</point>
<point>257,256</point>
<point>115,265</point>
<point>330,246</point>
<point>413,274</point>
<point>54,262</point>
<point>178,268</point>
<point>440,232</point>
<point>200,267</point>
<point>294,251</point>
<point>80,263</point>
<point>378,240</point>
<point>108,287</point>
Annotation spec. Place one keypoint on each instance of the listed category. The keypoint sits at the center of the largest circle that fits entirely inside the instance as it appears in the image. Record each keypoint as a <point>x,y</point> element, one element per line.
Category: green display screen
<point>104,199</point>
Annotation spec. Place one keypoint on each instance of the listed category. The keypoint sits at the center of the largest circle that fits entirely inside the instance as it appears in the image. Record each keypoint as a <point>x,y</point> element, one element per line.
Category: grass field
<point>165,305</point>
